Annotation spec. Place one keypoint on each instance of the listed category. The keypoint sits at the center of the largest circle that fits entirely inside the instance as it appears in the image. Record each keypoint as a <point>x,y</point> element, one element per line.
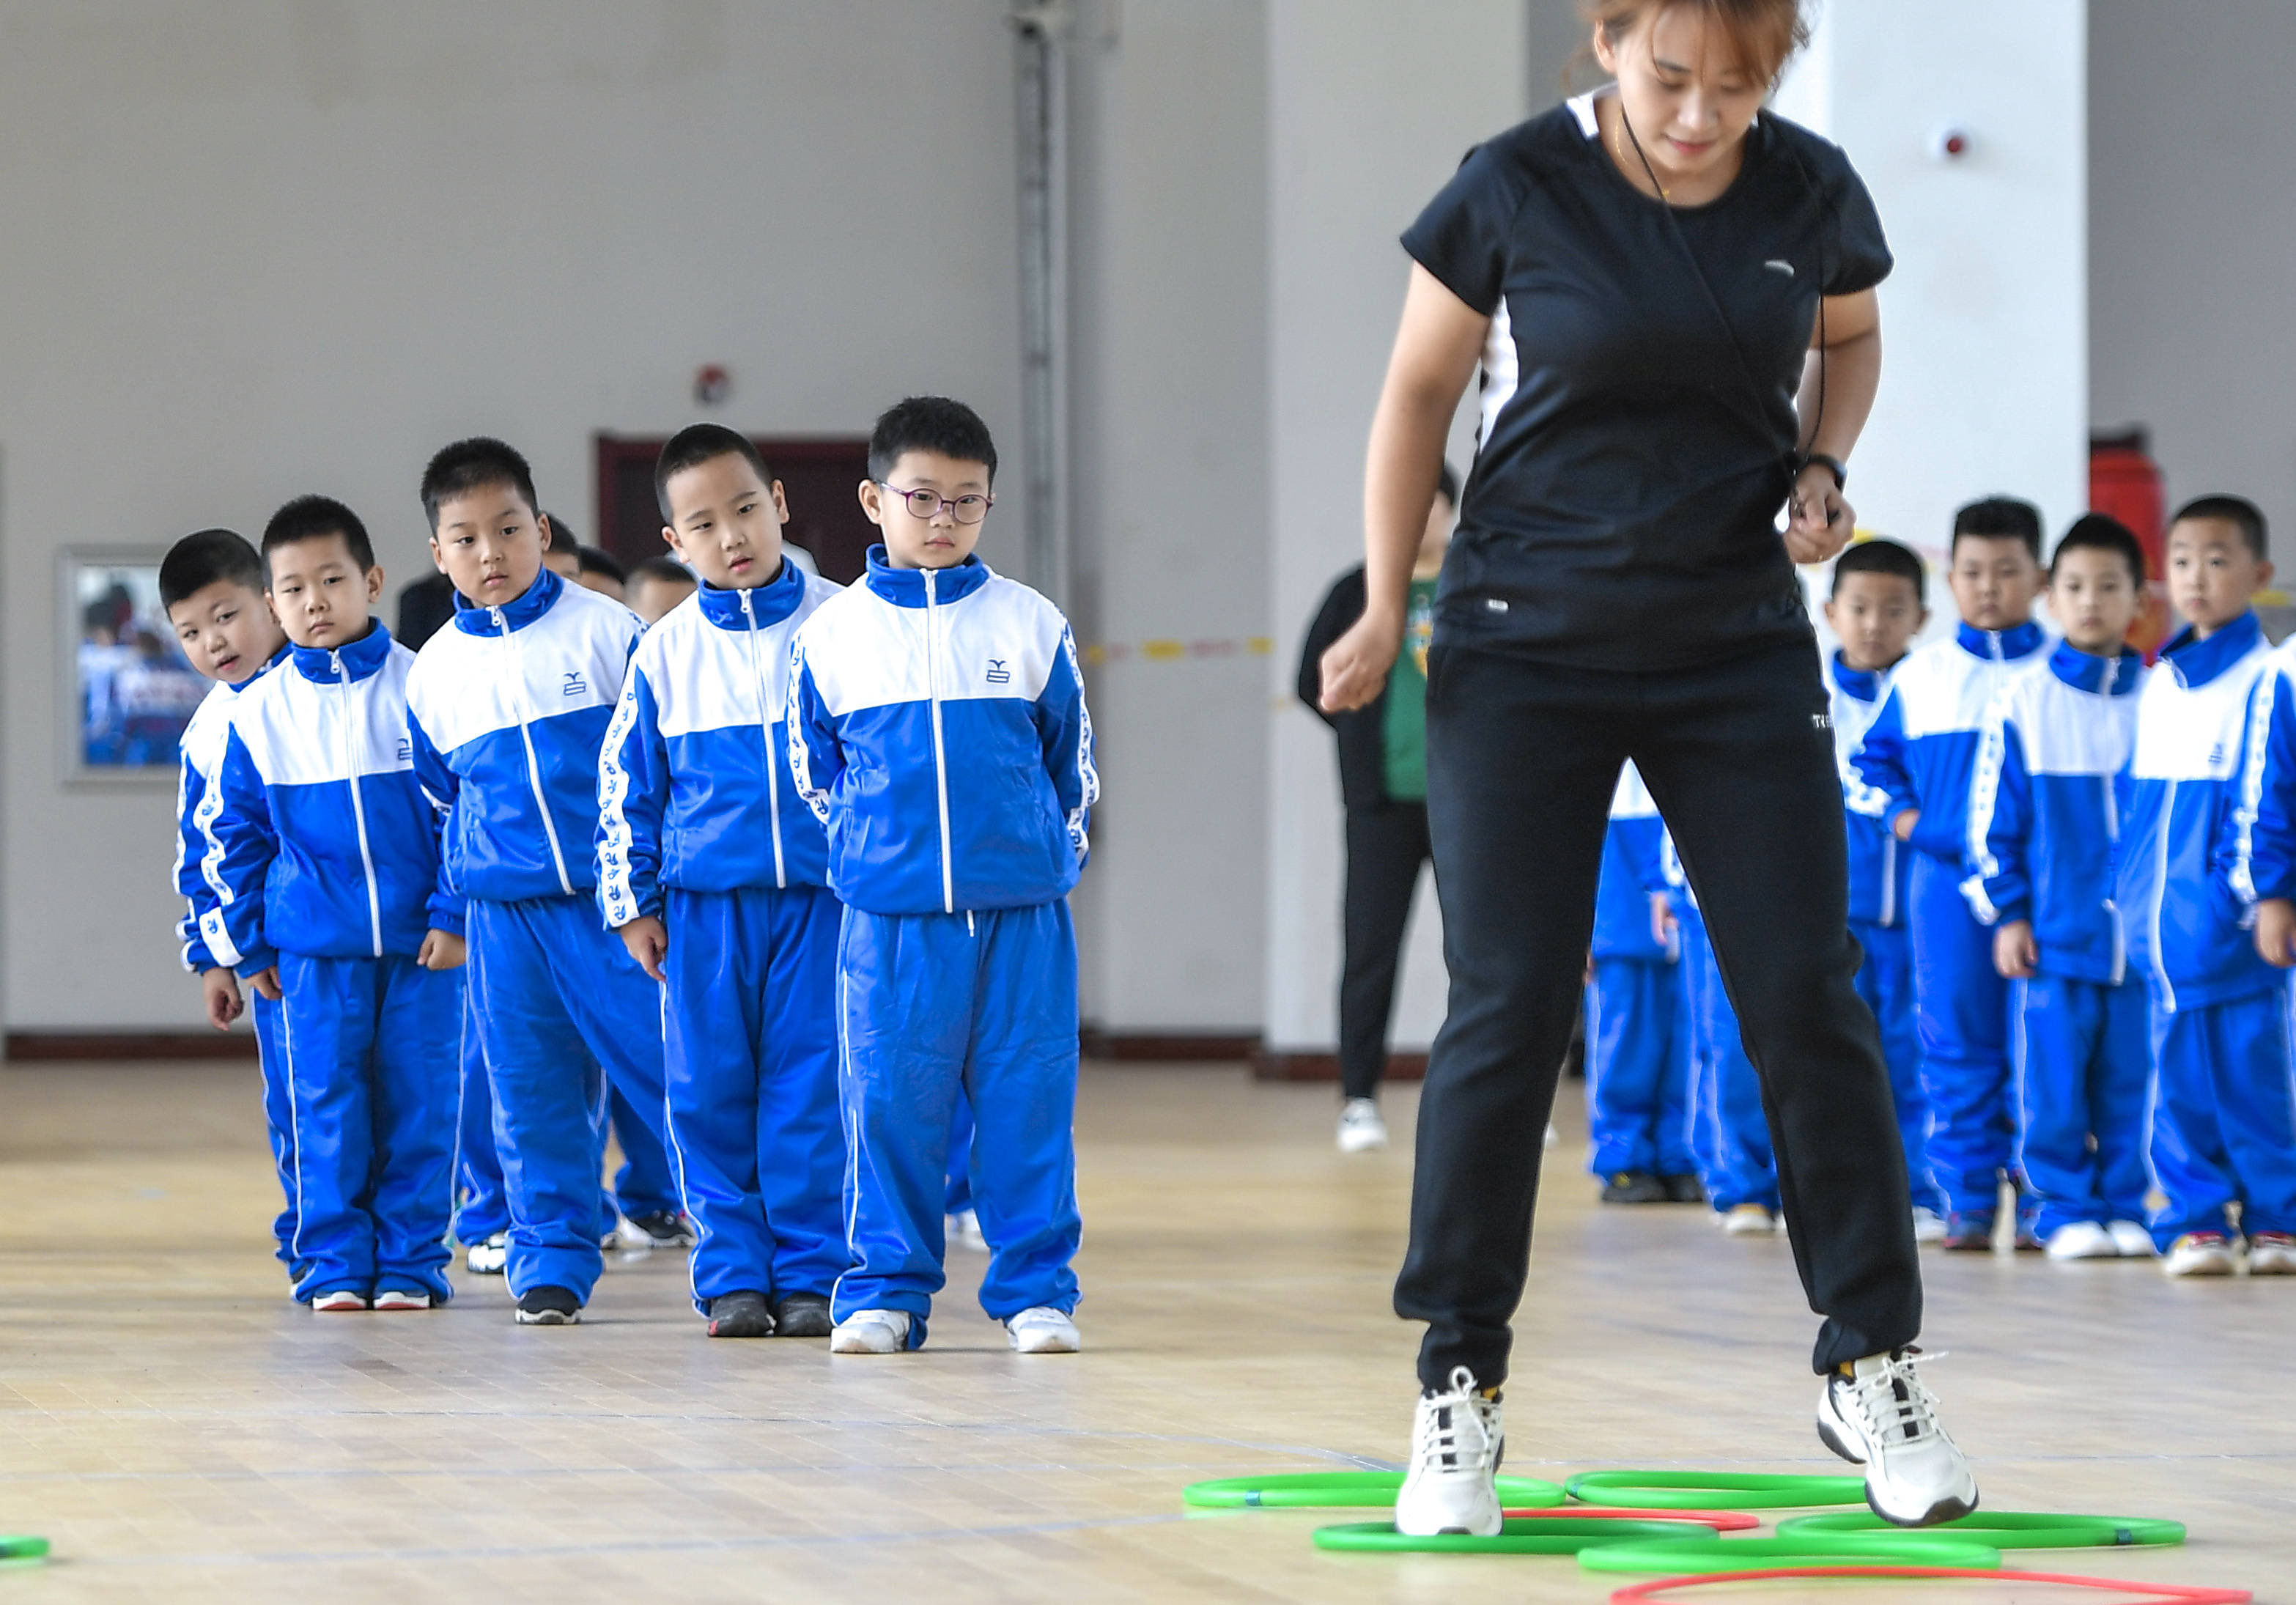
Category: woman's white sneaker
<point>871,1332</point>
<point>1456,1441</point>
<point>1881,1417</point>
<point>1361,1129</point>
<point>1042,1331</point>
<point>2082,1239</point>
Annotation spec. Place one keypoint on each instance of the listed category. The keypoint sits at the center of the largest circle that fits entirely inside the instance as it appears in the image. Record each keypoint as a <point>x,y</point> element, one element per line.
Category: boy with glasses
<point>938,727</point>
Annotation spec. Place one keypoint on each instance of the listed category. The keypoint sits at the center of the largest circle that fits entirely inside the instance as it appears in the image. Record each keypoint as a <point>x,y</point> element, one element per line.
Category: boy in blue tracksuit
<point>1917,755</point>
<point>211,586</point>
<point>2046,801</point>
<point>1637,1081</point>
<point>326,860</point>
<point>713,873</point>
<point>507,708</point>
<point>1729,1134</point>
<point>2200,845</point>
<point>1875,608</point>
<point>938,728</point>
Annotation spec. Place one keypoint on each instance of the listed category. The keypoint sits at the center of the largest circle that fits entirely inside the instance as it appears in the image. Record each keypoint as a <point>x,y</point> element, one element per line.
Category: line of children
<point>790,873</point>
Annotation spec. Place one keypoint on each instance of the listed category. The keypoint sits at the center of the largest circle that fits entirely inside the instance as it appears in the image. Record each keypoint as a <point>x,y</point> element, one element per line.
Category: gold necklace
<point>1664,194</point>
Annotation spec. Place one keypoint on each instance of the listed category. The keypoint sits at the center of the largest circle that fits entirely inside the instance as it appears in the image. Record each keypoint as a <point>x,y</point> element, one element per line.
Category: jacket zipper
<point>940,759</point>
<point>533,766</point>
<point>765,731</point>
<point>2112,836</point>
<point>358,804</point>
<point>1888,876</point>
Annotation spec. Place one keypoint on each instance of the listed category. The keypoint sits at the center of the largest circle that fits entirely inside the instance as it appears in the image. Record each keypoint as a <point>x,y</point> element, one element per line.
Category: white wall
<point>1169,469</point>
<point>2191,240</point>
<point>1371,104</point>
<point>255,247</point>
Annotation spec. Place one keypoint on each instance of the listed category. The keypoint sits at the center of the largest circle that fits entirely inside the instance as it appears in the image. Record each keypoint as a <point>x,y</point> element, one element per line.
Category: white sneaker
<point>1042,1330</point>
<point>341,1301</point>
<point>2200,1254</point>
<point>401,1298</point>
<point>1882,1418</point>
<point>2271,1254</point>
<point>489,1258</point>
<point>2133,1239</point>
<point>1361,1129</point>
<point>1457,1442</point>
<point>1749,1220</point>
<point>1929,1226</point>
<point>963,1227</point>
<point>2082,1239</point>
<point>871,1332</point>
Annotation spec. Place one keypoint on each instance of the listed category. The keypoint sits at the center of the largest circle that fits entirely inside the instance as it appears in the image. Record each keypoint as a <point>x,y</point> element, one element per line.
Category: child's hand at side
<point>2014,954</point>
<point>647,938</point>
<point>267,985</point>
<point>2276,932</point>
<point>1664,926</point>
<point>1902,827</point>
<point>220,991</point>
<point>440,950</point>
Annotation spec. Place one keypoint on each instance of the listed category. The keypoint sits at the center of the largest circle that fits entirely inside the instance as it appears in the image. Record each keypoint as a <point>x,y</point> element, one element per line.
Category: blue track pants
<point>1963,1005</point>
<point>2223,1122</point>
<point>1885,980</point>
<point>1637,1089</point>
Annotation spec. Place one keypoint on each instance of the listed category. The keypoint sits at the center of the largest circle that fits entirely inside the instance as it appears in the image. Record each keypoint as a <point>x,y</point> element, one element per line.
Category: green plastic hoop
<point>1343,1490</point>
<point>2011,1529</point>
<point>24,1548</point>
<point>1715,1490</point>
<point>1533,1535</point>
<point>1909,1548</point>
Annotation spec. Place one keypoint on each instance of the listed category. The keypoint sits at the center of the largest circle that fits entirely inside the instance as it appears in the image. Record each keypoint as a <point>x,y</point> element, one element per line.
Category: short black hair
<point>2100,532</point>
<point>666,568</point>
<point>473,464</point>
<point>698,443</point>
<point>930,424</point>
<point>197,560</point>
<point>1881,556</point>
<point>1999,519</point>
<point>2237,510</point>
<point>1446,484</point>
<point>590,560</point>
<point>311,518</point>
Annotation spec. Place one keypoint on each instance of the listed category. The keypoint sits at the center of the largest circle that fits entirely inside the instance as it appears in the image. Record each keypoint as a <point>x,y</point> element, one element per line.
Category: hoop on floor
<point>1721,1521</point>
<point>2011,1529</point>
<point>1538,1535</point>
<point>22,1547</point>
<point>1911,1548</point>
<point>1342,1490</point>
<point>1718,1490</point>
<point>2151,1593</point>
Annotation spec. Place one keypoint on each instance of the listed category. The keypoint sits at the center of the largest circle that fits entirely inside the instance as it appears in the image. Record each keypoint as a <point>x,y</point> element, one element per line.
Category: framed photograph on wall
<point>127,690</point>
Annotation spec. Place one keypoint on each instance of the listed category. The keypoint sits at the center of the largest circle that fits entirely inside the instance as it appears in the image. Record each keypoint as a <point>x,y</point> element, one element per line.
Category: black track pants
<point>1523,759</point>
<point>1386,846</point>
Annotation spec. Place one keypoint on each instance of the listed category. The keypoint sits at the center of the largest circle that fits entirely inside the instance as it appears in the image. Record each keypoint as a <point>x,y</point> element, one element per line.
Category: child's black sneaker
<point>549,1306</point>
<point>803,1315</point>
<point>1683,1190</point>
<point>741,1314</point>
<point>1633,1187</point>
<point>660,1229</point>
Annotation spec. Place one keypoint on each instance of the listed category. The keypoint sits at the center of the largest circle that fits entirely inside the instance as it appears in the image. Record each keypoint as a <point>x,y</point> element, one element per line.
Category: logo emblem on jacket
<point>1779,265</point>
<point>998,674</point>
<point>574,683</point>
<point>406,751</point>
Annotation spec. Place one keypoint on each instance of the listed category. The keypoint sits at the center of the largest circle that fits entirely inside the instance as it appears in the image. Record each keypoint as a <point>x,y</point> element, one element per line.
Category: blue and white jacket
<point>694,789</point>
<point>1920,748</point>
<point>2263,847</point>
<point>1631,872</point>
<point>200,764</point>
<point>1878,869</point>
<point>2187,927</point>
<point>938,727</point>
<point>319,841</point>
<point>2045,804</point>
<point>507,707</point>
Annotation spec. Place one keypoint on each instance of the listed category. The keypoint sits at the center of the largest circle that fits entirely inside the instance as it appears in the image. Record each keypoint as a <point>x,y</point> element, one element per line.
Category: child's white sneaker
<point>2271,1254</point>
<point>2200,1254</point>
<point>489,1258</point>
<point>390,1299</point>
<point>1042,1331</point>
<point>338,1302</point>
<point>1361,1130</point>
<point>1929,1226</point>
<point>2082,1239</point>
<point>1749,1220</point>
<point>871,1332</point>
<point>2133,1239</point>
<point>965,1228</point>
<point>1457,1438</point>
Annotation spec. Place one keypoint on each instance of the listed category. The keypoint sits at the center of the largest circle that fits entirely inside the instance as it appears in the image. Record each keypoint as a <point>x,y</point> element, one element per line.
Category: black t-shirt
<point>1622,509</point>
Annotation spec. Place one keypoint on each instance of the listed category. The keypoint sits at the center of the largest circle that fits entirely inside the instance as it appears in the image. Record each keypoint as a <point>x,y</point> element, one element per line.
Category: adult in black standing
<point>1671,295</point>
<point>1383,786</point>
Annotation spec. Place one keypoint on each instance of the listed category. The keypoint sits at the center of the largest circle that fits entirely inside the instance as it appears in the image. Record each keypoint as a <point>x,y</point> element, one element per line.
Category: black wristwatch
<point>1833,465</point>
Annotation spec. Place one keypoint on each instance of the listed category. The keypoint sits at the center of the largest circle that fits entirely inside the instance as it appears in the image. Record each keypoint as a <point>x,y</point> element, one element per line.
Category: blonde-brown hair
<point>1765,33</point>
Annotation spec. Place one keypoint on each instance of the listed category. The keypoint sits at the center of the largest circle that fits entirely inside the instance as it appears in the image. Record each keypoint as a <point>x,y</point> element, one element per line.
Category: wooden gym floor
<point>184,1433</point>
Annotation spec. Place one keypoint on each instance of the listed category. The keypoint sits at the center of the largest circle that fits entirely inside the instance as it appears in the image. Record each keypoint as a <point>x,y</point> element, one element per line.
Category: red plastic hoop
<point>1721,1521</point>
<point>2150,1593</point>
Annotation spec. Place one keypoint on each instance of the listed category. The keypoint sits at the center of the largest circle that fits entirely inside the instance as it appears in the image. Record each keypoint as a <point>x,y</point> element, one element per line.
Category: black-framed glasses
<point>926,504</point>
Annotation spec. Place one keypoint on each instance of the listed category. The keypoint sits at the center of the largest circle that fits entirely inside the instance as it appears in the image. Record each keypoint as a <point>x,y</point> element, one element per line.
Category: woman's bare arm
<point>1820,521</point>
